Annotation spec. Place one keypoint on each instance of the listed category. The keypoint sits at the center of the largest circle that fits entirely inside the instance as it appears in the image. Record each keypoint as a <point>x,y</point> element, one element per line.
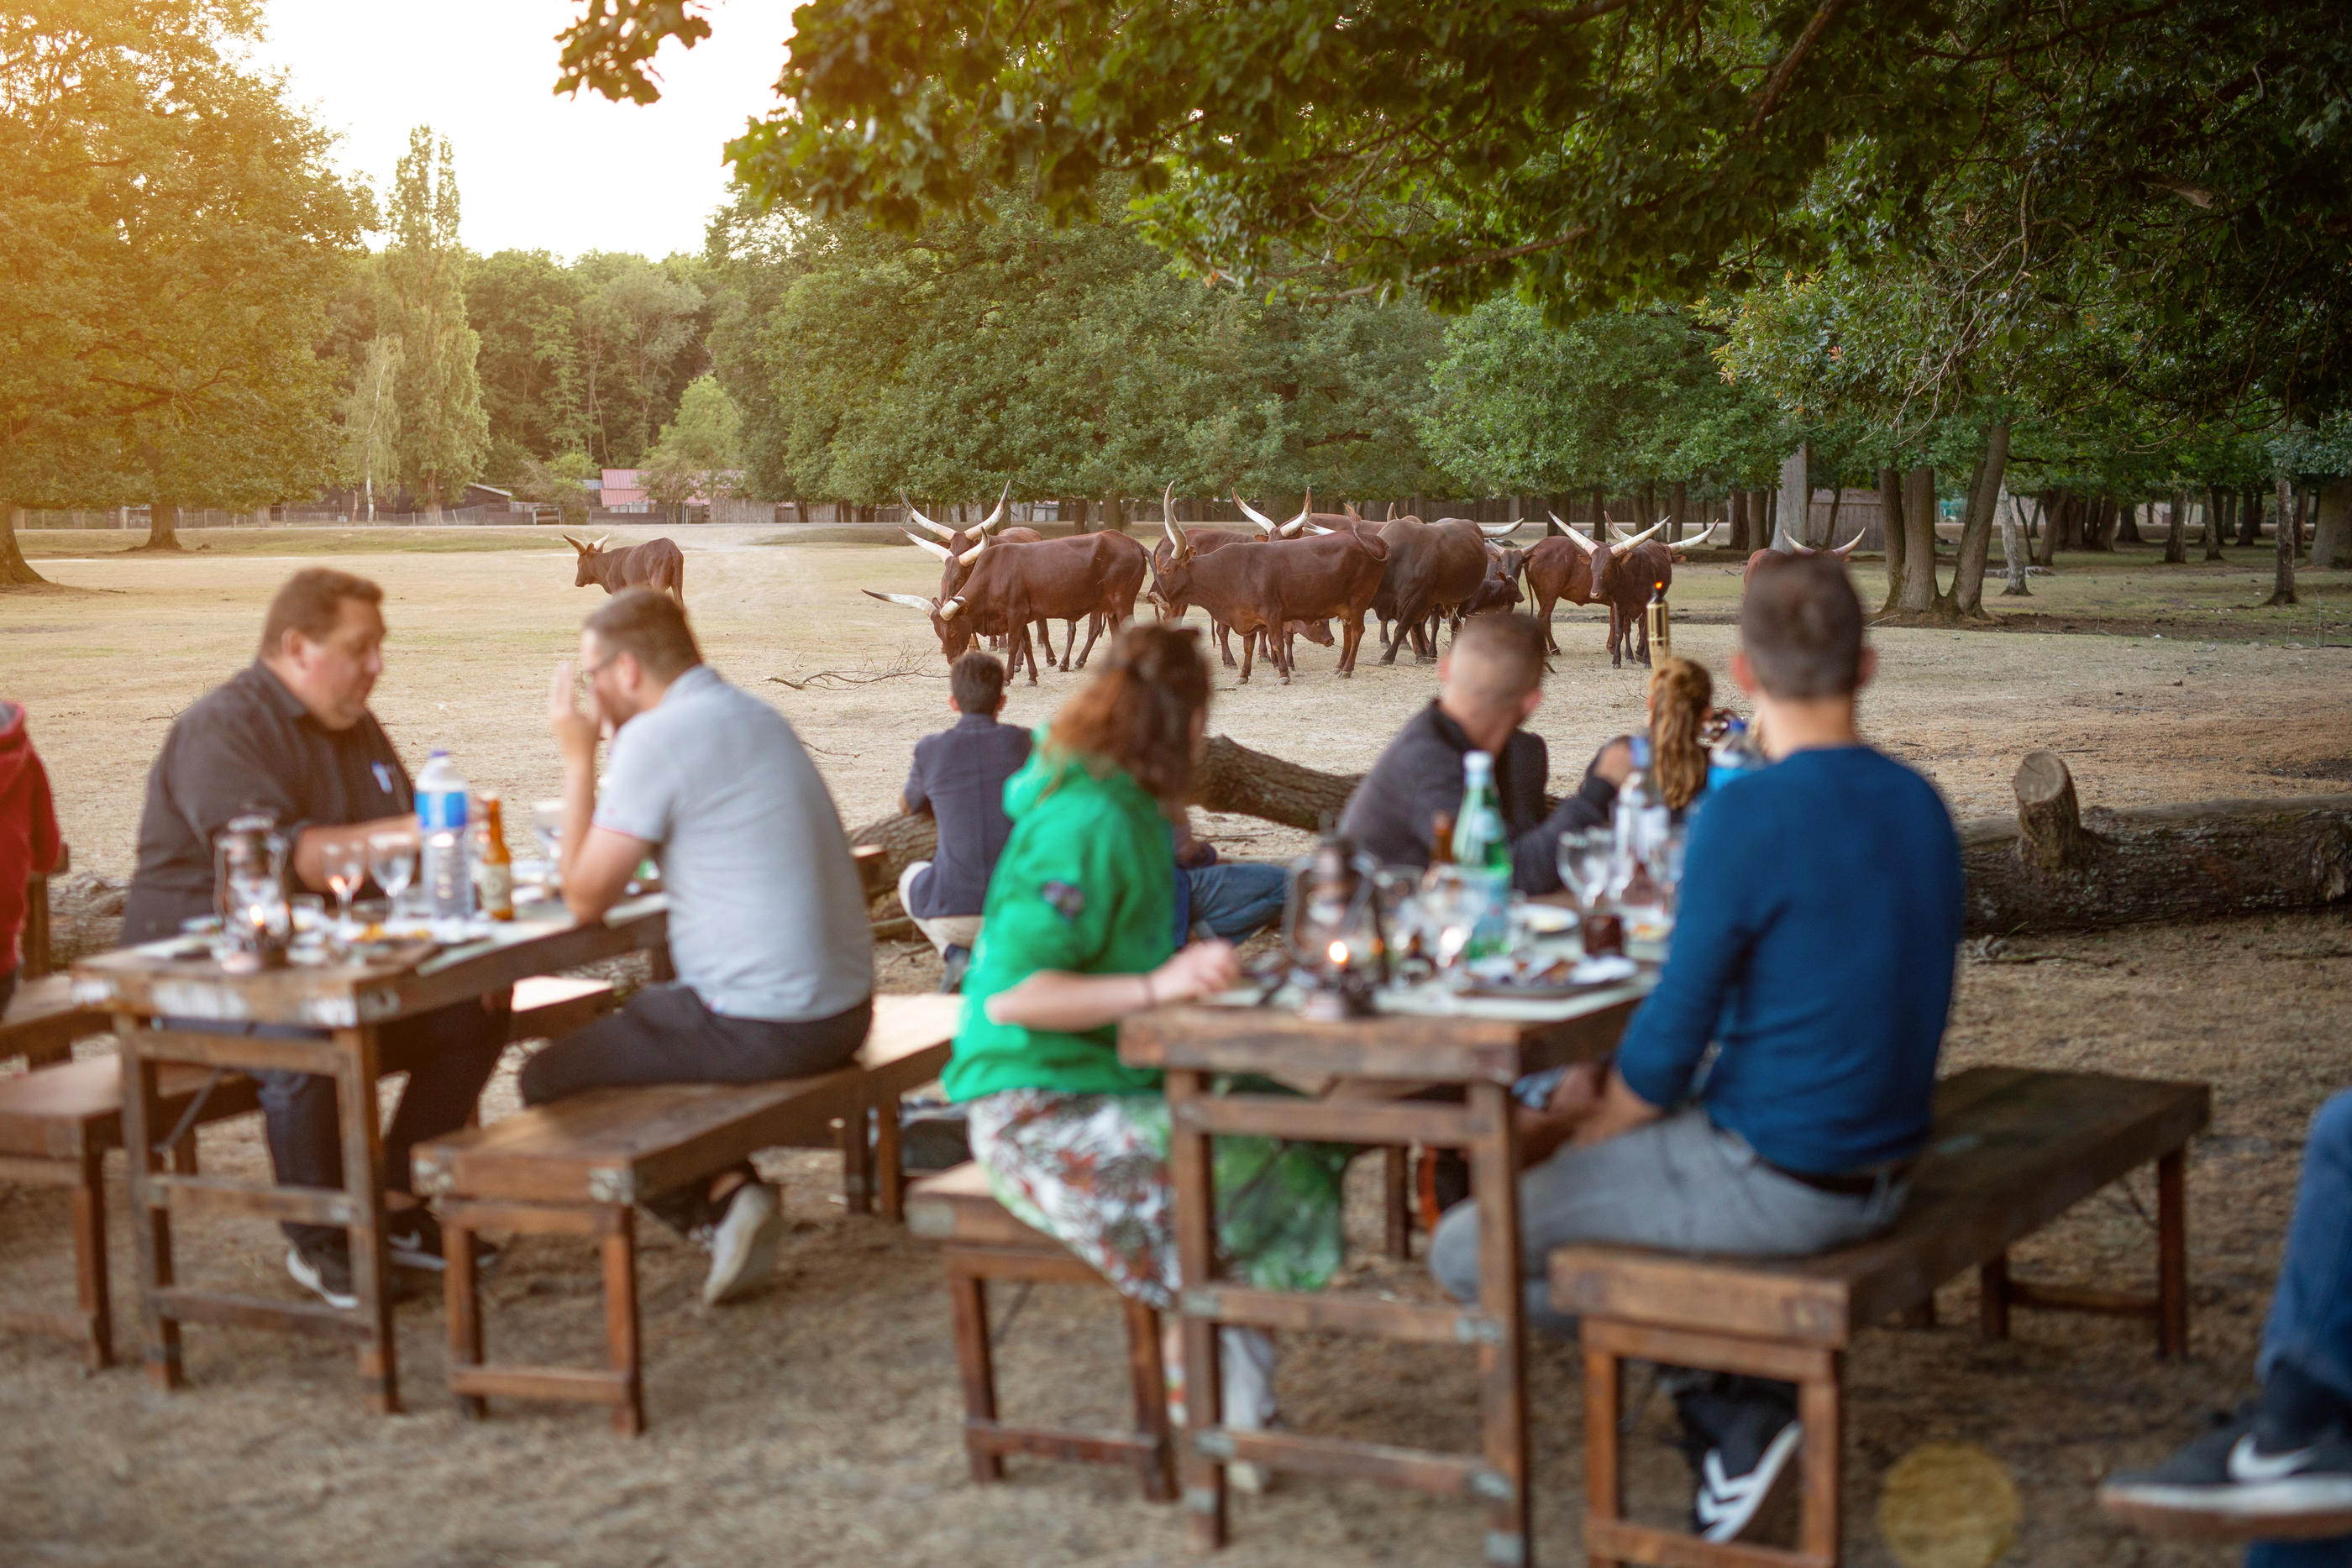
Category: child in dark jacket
<point>28,835</point>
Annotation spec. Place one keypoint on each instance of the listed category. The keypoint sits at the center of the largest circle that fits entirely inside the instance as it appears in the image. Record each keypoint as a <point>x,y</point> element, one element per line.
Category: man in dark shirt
<point>291,736</point>
<point>1819,920</point>
<point>1489,683</point>
<point>958,776</point>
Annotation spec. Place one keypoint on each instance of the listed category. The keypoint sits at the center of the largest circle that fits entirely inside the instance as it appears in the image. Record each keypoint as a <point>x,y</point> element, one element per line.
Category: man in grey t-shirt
<point>768,928</point>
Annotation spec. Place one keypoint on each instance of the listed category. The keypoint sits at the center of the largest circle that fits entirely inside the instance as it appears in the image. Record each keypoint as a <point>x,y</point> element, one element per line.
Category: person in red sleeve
<point>28,835</point>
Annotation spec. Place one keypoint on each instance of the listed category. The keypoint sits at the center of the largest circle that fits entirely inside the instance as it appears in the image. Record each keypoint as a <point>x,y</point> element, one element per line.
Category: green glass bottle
<point>1482,850</point>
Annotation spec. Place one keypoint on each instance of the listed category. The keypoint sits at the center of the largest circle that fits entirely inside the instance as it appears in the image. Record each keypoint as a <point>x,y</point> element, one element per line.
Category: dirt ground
<point>820,1418</point>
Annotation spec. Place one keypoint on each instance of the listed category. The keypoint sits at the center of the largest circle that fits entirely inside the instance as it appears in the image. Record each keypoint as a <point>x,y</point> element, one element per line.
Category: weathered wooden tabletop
<point>149,980</point>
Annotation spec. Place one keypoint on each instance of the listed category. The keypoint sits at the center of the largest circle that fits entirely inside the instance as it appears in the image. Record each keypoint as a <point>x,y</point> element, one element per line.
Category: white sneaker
<point>743,1244</point>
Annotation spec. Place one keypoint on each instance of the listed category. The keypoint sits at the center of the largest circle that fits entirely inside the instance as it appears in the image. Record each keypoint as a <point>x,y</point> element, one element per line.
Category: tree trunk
<point>2282,579</point>
<point>1830,528</point>
<point>1649,512</point>
<point>1734,507</point>
<point>2217,518</point>
<point>1600,511</point>
<point>1966,600</point>
<point>163,527</point>
<point>14,567</point>
<point>2249,517</point>
<point>1892,530</point>
<point>1114,515</point>
<point>2012,551</point>
<point>2053,523</point>
<point>2175,532</point>
<point>2050,871</point>
<point>2331,531</point>
<point>1676,499</point>
<point>433,499</point>
<point>2128,524</point>
<point>1919,541</point>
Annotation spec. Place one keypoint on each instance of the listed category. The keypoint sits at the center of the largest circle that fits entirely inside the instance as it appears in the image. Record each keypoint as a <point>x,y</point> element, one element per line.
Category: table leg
<point>362,1137</point>
<point>1604,1486</point>
<point>2172,1254</point>
<point>150,1223</point>
<point>89,1262</point>
<point>1396,1183</point>
<point>1503,1359</point>
<point>890,1161</point>
<point>1194,1179</point>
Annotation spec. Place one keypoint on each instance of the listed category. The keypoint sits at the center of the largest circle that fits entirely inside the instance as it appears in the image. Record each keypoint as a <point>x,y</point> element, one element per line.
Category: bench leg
<point>1821,1407</point>
<point>91,1291</point>
<point>1604,1487</point>
<point>1502,1360</point>
<point>1148,1377</point>
<point>150,1219</point>
<point>621,1338</point>
<point>462,1290</point>
<point>890,1167</point>
<point>1396,1170</point>
<point>969,1297</point>
<point>2172,1254</point>
<point>1993,1297</point>
<point>856,1165</point>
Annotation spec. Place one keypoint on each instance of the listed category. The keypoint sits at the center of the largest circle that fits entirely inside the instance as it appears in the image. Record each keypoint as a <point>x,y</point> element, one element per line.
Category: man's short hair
<point>1801,623</point>
<point>976,681</point>
<point>1497,659</point>
<point>311,602</point>
<point>649,625</point>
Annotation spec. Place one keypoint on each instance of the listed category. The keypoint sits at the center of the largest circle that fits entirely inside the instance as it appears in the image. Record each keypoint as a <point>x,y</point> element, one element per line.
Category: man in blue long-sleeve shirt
<point>1769,1099</point>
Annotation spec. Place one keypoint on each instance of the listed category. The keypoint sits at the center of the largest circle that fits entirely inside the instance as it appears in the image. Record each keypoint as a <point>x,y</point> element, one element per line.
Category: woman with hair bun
<point>1681,698</point>
<point>1079,934</point>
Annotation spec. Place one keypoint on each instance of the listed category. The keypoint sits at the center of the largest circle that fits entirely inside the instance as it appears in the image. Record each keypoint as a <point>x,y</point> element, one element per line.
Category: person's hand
<point>1615,762</point>
<point>1577,1092</point>
<point>575,731</point>
<point>1195,854</point>
<point>1201,969</point>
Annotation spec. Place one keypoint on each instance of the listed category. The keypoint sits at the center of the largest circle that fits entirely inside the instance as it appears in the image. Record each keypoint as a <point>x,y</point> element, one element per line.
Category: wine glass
<point>392,858</point>
<point>1584,864</point>
<point>347,866</point>
<point>1449,909</point>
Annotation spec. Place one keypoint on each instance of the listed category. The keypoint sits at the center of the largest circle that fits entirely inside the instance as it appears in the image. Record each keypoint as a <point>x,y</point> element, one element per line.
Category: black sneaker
<point>2241,1479</point>
<point>413,1238</point>
<point>1740,1436</point>
<point>324,1269</point>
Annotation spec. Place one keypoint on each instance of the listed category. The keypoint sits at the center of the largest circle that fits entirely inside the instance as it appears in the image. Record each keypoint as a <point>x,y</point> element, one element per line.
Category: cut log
<point>2058,869</point>
<point>1230,777</point>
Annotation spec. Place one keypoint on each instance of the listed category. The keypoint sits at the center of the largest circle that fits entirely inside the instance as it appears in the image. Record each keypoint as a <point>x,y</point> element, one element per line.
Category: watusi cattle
<point>960,542</point>
<point>1434,568</point>
<point>1556,568</point>
<point>1089,577</point>
<point>1268,587</point>
<point>1769,554</point>
<point>1626,574</point>
<point>657,564</point>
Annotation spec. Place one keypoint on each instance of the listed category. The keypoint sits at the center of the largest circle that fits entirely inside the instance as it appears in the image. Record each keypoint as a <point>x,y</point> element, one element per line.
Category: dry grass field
<point>817,1423</point>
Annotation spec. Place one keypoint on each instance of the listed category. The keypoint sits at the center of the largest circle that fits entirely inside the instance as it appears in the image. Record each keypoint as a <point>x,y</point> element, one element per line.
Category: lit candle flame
<point>1339,953</point>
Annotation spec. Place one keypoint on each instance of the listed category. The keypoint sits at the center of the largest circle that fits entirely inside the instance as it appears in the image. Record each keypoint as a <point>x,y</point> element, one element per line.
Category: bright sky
<point>535,172</point>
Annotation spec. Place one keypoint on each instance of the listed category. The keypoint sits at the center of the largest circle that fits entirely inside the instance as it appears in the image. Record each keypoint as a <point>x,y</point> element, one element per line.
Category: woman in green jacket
<point>1079,934</point>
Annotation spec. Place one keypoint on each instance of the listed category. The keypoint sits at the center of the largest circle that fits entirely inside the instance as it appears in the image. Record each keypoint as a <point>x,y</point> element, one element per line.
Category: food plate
<point>1546,919</point>
<point>1554,982</point>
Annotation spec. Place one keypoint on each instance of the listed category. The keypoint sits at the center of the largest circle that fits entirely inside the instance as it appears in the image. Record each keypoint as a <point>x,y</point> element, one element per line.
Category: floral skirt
<point>1091,1171</point>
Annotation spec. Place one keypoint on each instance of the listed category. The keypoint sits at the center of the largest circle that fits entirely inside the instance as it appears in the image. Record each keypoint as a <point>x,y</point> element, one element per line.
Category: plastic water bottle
<point>445,875</point>
<point>1482,849</point>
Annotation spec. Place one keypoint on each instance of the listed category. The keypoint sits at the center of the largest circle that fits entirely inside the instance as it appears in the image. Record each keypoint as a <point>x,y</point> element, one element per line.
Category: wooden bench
<point>57,1126</point>
<point>548,1006</point>
<point>980,1241</point>
<point>2012,1150</point>
<point>578,1167</point>
<point>42,1021</point>
<point>39,955</point>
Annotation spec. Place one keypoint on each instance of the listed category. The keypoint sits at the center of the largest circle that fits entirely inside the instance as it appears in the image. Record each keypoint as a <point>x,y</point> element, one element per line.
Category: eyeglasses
<point>590,672</point>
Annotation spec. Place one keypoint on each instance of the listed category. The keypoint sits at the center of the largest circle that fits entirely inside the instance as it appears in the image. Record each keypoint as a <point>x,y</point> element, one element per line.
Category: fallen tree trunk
<point>2057,868</point>
<point>2053,867</point>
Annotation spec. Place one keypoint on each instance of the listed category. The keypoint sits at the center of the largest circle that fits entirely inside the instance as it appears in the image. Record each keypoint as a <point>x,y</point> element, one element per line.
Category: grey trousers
<point>1680,1184</point>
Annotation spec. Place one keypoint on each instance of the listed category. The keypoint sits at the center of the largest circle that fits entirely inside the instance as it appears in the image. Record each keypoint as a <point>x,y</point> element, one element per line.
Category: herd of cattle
<point>1271,583</point>
<point>1278,582</point>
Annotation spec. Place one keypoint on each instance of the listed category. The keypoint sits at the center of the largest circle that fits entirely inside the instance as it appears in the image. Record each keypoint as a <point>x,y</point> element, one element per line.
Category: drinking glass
<point>392,858</point>
<point>1666,865</point>
<point>1449,909</point>
<point>547,827</point>
<point>346,871</point>
<point>1584,860</point>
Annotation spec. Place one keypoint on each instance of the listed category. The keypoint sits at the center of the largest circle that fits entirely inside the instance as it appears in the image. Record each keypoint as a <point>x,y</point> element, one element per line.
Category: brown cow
<point>657,564</point>
<point>962,541</point>
<point>1268,587</point>
<point>1558,567</point>
<point>1090,576</point>
<point>1768,553</point>
<point>1626,574</point>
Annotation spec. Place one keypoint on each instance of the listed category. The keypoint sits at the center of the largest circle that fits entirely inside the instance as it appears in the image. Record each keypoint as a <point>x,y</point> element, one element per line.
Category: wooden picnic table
<point>1357,1079</point>
<point>347,1005</point>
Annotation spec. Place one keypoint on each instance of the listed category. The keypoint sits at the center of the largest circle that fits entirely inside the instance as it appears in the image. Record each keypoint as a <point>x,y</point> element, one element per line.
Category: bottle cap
<point>1638,744</point>
<point>1478,766</point>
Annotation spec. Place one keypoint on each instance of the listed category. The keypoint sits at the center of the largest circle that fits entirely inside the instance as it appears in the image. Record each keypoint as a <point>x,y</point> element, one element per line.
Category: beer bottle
<point>1441,839</point>
<point>496,874</point>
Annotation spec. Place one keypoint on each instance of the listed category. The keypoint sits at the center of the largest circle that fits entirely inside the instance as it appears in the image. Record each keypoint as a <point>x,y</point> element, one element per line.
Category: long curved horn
<point>1352,510</point>
<point>1265,525</point>
<point>575,544</point>
<point>1307,509</point>
<point>1630,541</point>
<point>948,611</point>
<point>1177,543</point>
<point>923,544</point>
<point>1847,547</point>
<point>1506,531</point>
<point>1703,534</point>
<point>1319,528</point>
<point>996,519</point>
<point>944,533</point>
<point>602,540</point>
<point>1582,543</point>
<point>911,601</point>
<point>973,553</point>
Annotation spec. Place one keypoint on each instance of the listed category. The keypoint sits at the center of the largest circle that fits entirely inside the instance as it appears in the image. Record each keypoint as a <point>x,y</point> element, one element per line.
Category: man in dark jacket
<point>958,776</point>
<point>1489,683</point>
<point>291,736</point>
<point>29,836</point>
